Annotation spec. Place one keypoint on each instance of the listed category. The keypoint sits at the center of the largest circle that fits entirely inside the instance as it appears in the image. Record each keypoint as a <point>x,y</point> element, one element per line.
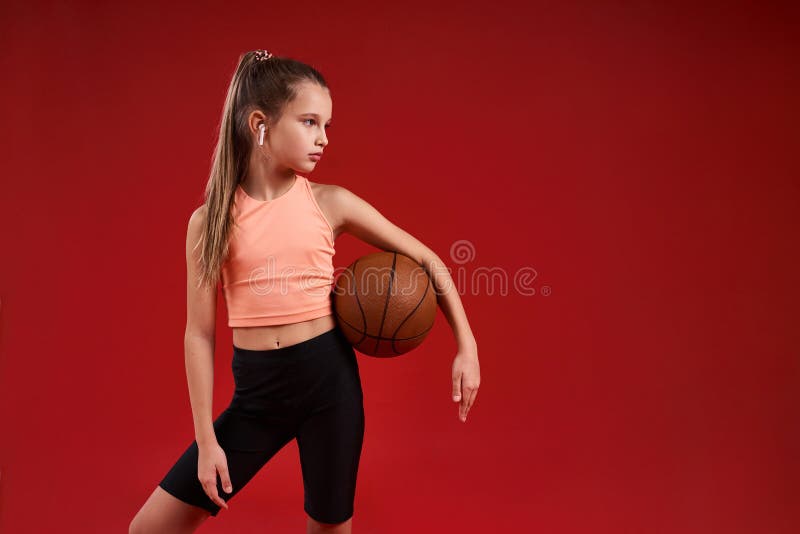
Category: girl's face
<point>301,130</point>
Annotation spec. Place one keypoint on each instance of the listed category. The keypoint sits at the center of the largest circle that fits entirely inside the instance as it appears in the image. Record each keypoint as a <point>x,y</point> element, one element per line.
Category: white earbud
<point>261,134</point>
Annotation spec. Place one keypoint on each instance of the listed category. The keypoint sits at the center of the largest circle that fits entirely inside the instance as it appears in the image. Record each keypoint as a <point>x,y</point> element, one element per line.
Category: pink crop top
<point>279,268</point>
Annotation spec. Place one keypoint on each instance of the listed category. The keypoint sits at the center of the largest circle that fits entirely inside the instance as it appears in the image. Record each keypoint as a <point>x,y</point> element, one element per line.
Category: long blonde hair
<point>258,84</point>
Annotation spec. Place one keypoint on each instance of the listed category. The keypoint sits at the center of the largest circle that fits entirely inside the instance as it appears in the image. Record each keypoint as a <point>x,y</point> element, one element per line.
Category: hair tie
<point>262,55</point>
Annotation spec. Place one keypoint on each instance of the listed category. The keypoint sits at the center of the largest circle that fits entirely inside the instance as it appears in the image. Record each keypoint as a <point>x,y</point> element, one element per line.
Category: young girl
<point>268,234</point>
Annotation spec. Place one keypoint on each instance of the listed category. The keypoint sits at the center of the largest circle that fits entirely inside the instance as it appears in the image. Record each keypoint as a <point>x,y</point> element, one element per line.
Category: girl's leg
<point>179,503</point>
<point>163,513</point>
<point>315,527</point>
<point>329,443</point>
<point>330,437</point>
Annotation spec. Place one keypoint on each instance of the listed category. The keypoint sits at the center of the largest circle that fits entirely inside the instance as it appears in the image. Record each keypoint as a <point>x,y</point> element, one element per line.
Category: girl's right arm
<point>198,342</point>
<point>201,306</point>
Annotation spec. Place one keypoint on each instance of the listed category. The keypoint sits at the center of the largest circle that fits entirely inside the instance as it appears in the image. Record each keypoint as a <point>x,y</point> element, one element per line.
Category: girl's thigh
<point>164,513</point>
<point>248,442</point>
<point>329,442</point>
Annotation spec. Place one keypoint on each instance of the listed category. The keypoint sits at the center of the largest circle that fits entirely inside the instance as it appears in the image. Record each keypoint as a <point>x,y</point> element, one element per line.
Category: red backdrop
<point>639,162</point>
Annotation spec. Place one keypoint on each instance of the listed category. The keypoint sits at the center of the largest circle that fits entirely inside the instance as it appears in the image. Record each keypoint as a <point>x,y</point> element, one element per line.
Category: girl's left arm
<point>357,217</point>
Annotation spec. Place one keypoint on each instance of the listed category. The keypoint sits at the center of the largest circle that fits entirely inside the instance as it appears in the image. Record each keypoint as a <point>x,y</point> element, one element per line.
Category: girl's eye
<point>312,120</point>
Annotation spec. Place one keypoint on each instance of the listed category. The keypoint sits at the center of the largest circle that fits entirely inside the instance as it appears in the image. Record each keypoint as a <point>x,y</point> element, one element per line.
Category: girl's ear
<point>257,120</point>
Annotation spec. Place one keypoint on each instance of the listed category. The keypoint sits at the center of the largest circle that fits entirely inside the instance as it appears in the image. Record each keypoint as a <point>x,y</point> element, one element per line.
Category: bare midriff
<point>281,335</point>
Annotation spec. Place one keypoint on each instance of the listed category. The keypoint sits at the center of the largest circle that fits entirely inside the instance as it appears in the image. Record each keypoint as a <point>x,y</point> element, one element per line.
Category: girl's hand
<point>466,379</point>
<point>210,460</point>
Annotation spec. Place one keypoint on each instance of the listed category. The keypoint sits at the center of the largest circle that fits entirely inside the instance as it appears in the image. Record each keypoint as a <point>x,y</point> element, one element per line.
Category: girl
<point>295,374</point>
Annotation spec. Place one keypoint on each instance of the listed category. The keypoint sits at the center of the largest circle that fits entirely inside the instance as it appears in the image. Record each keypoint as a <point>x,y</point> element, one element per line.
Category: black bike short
<point>310,391</point>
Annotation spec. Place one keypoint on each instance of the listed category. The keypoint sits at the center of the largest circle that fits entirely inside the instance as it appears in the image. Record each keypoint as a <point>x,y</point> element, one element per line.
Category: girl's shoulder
<point>328,190</point>
<point>324,193</point>
<point>326,197</point>
<point>198,218</point>
<point>317,187</point>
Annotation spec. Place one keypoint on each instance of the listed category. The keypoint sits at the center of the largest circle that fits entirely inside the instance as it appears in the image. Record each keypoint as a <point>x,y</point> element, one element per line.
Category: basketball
<point>385,304</point>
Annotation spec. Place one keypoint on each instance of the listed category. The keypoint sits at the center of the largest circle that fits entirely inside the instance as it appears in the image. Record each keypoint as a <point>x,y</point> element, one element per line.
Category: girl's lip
<point>315,157</point>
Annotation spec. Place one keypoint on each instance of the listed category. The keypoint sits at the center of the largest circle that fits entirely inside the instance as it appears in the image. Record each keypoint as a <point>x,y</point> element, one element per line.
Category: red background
<point>641,157</point>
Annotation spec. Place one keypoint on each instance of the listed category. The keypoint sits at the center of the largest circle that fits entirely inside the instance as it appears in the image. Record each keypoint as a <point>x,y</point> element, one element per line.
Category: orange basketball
<point>385,304</point>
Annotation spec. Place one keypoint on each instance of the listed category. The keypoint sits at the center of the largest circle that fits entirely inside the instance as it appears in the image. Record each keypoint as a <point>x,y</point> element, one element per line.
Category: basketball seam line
<point>386,304</point>
<point>364,334</point>
<point>360,309</point>
<point>411,313</point>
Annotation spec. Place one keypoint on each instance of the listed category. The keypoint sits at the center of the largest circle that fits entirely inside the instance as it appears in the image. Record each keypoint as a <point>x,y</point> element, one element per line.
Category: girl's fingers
<point>472,395</point>
<point>462,407</point>
<point>457,387</point>
<point>466,403</point>
<point>211,491</point>
<point>226,478</point>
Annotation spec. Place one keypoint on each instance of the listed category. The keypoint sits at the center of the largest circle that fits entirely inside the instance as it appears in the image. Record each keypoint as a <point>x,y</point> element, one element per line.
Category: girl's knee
<point>343,527</point>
